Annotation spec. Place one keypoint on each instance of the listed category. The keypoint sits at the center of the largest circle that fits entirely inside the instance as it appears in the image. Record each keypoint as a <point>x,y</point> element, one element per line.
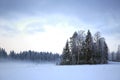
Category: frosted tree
<point>73,47</point>
<point>102,51</point>
<point>105,53</point>
<point>97,36</point>
<point>79,40</point>
<point>96,47</point>
<point>118,53</point>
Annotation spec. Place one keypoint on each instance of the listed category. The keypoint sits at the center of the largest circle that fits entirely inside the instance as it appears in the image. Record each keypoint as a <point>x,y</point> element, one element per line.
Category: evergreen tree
<point>3,53</point>
<point>83,53</point>
<point>89,47</point>
<point>66,57</point>
<point>12,54</point>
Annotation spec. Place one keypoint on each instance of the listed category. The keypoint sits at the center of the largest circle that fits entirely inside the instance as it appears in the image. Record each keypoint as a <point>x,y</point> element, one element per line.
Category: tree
<point>118,53</point>
<point>105,56</point>
<point>12,54</point>
<point>74,47</point>
<point>113,58</point>
<point>80,40</point>
<point>89,47</point>
<point>97,36</point>
<point>3,53</point>
<point>66,58</point>
<point>102,51</point>
<point>96,48</point>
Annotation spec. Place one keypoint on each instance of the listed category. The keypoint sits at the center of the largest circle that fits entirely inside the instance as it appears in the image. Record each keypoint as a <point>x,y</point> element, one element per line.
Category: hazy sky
<point>45,25</point>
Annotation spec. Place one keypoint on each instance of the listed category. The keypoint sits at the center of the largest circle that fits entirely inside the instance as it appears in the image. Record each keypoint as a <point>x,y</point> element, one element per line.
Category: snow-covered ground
<point>33,71</point>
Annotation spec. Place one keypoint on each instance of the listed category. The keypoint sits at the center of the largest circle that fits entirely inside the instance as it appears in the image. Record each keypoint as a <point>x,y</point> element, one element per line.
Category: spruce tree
<point>89,47</point>
<point>66,58</point>
<point>3,53</point>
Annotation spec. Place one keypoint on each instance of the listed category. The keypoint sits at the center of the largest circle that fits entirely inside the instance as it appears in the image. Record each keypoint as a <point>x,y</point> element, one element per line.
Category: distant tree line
<point>30,56</point>
<point>85,49</point>
<point>115,56</point>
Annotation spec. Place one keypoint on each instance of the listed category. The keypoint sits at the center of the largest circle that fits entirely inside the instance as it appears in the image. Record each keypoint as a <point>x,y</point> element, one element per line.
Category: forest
<point>30,56</point>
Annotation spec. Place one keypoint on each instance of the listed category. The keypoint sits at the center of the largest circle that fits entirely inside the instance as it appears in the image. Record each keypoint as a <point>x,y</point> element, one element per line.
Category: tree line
<point>85,49</point>
<point>115,56</point>
<point>30,56</point>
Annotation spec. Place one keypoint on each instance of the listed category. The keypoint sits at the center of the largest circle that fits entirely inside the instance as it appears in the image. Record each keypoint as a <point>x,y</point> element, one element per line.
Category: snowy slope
<point>32,71</point>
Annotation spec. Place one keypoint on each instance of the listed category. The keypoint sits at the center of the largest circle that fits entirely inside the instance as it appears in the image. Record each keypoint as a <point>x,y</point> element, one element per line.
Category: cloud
<point>110,25</point>
<point>30,25</point>
<point>7,28</point>
<point>34,27</point>
<point>85,9</point>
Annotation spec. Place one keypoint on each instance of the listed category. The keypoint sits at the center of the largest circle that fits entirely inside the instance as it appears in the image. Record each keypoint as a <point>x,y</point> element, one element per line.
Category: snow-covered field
<point>33,71</point>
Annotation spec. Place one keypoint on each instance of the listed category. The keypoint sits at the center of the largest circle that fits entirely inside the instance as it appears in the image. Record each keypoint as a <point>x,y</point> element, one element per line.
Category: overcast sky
<point>45,25</point>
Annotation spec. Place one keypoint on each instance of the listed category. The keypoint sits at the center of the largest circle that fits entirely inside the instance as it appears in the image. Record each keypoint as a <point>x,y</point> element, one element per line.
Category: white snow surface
<point>10,70</point>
